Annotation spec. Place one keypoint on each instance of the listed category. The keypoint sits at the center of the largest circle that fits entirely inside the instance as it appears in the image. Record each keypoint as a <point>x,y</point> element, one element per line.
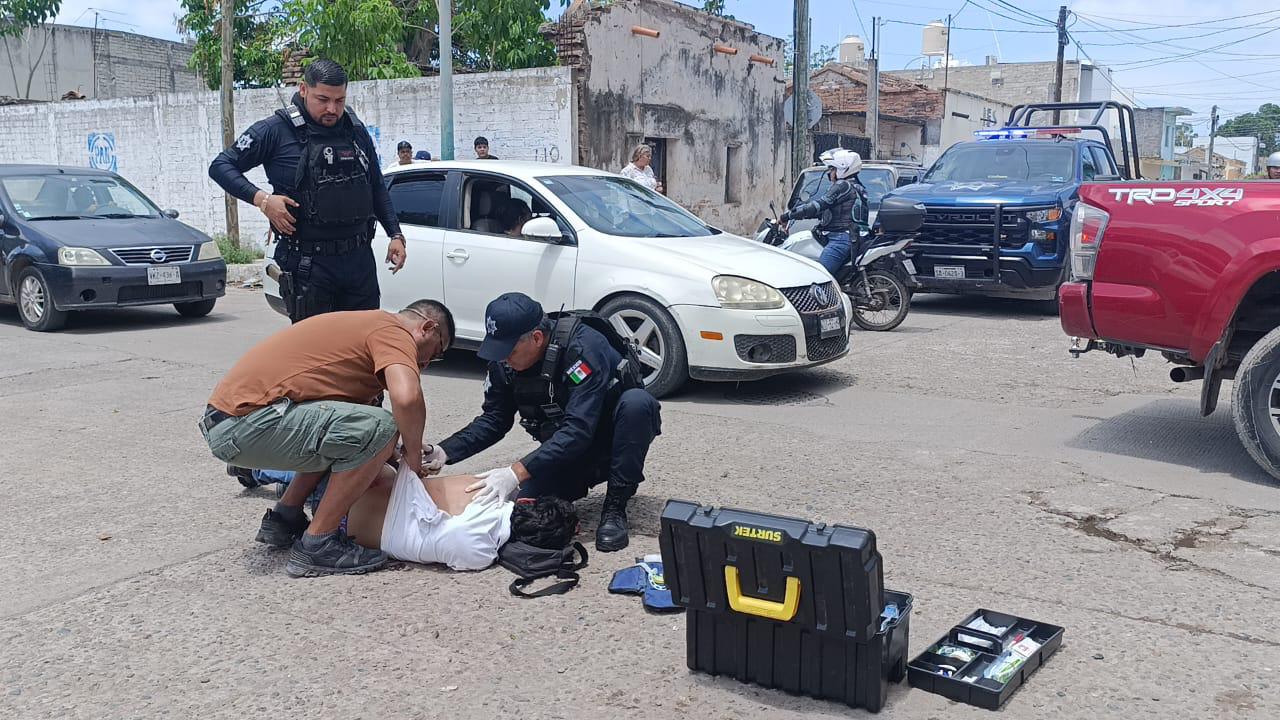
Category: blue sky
<point>1232,63</point>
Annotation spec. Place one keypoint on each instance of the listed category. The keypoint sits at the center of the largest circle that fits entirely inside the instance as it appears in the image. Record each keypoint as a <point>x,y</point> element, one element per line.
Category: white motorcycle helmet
<point>846,163</point>
<point>1273,160</point>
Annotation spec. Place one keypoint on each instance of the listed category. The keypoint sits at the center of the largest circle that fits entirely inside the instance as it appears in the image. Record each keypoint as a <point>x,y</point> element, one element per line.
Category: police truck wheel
<point>35,303</point>
<point>647,325</point>
<point>1256,402</point>
<point>197,309</point>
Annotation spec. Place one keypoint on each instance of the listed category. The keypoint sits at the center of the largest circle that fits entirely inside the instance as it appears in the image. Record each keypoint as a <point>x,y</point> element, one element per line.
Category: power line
<point>1026,13</point>
<point>1018,20</point>
<point>1200,23</point>
<point>976,29</point>
<point>1165,41</point>
<point>860,23</point>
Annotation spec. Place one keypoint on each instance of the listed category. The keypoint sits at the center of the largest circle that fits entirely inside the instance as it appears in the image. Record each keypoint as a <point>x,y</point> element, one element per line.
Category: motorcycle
<point>880,276</point>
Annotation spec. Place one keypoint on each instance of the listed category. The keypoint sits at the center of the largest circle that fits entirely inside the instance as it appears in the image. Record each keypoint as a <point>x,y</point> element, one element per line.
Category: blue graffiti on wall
<point>102,151</point>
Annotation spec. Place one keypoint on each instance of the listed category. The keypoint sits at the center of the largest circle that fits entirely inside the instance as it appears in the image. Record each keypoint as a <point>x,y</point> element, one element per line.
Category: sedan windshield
<point>618,206</point>
<point>43,197</point>
<point>996,161</point>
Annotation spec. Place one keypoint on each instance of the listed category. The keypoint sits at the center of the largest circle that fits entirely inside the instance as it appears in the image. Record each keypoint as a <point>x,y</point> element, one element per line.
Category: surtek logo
<point>755,533</point>
<point>1186,197</point>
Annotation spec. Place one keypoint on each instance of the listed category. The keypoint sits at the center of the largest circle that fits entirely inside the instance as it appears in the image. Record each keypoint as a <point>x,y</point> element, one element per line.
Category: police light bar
<point>1038,133</point>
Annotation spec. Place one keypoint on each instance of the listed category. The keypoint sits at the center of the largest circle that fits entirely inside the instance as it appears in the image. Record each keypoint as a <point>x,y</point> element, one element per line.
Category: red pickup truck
<point>1190,270</point>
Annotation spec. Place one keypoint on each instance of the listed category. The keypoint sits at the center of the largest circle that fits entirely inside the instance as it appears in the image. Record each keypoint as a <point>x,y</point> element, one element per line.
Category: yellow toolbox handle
<point>782,611</point>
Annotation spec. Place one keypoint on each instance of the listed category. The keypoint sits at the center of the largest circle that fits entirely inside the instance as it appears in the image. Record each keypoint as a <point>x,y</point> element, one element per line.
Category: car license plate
<point>910,266</point>
<point>949,271</point>
<point>830,326</point>
<point>164,275</point>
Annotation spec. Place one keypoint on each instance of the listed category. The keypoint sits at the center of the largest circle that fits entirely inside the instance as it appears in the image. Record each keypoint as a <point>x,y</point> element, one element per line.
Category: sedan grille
<point>162,255</point>
<point>819,349</point>
<point>765,348</point>
<point>815,298</point>
<point>181,291</point>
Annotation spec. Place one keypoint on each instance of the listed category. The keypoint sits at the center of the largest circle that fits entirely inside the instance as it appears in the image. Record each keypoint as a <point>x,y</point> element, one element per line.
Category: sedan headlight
<point>209,251</point>
<point>1045,216</point>
<point>80,256</point>
<point>743,294</point>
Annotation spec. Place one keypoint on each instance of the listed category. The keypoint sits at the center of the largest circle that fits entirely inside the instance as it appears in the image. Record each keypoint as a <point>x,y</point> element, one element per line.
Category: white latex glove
<point>433,460</point>
<point>495,485</point>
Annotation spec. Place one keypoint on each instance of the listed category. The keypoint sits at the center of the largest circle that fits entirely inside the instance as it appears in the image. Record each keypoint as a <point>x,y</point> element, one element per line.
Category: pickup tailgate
<point>1173,261</point>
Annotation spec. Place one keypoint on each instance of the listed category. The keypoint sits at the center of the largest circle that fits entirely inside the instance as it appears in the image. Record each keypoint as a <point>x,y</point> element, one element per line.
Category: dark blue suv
<point>998,213</point>
<point>79,239</point>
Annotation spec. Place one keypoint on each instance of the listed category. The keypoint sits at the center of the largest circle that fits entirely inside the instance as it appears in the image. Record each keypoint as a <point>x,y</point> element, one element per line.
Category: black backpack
<point>542,545</point>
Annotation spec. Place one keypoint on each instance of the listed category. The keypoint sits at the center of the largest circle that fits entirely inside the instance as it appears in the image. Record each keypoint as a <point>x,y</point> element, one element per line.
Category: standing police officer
<point>577,395</point>
<point>327,190</point>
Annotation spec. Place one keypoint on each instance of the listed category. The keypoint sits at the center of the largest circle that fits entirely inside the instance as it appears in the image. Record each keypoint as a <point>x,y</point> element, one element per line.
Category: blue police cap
<point>505,321</point>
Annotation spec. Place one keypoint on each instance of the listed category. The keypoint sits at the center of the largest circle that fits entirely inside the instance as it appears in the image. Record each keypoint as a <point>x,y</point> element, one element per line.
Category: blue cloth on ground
<point>646,580</point>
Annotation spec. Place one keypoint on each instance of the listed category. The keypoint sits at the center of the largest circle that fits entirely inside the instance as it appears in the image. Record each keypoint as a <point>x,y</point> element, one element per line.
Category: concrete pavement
<point>996,472</point>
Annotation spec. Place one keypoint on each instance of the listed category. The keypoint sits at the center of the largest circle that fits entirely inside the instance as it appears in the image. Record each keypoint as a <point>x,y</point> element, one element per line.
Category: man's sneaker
<point>332,554</point>
<point>278,531</point>
<point>611,534</point>
<point>244,476</point>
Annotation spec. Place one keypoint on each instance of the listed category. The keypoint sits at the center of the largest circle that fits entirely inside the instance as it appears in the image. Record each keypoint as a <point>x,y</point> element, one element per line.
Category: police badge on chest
<point>342,155</point>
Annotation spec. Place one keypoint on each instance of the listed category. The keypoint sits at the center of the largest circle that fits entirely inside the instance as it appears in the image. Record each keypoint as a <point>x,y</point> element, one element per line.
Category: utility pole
<point>1062,48</point>
<point>800,91</point>
<point>229,110</point>
<point>873,89</point>
<point>446,78</point>
<point>1213,130</point>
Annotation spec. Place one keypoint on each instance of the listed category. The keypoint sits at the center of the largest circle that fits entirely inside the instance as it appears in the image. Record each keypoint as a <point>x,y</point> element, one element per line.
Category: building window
<point>733,174</point>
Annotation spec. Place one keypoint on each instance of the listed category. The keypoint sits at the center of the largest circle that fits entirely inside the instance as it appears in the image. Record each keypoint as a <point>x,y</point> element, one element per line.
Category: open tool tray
<point>958,665</point>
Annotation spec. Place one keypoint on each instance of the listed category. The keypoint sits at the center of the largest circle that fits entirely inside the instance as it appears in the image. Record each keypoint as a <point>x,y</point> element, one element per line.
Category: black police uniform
<point>592,426</point>
<point>335,177</point>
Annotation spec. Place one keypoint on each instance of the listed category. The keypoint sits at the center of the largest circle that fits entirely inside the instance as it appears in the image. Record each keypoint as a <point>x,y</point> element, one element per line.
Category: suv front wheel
<point>1256,402</point>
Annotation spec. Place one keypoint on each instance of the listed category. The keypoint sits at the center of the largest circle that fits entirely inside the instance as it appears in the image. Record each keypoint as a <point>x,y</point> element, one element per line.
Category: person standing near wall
<point>640,169</point>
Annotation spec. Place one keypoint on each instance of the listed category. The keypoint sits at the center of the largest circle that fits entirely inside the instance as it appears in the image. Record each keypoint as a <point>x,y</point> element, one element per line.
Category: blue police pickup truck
<point>998,208</point>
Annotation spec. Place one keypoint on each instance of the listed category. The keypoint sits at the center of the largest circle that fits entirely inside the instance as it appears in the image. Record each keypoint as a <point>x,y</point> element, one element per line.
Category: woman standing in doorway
<point>640,169</point>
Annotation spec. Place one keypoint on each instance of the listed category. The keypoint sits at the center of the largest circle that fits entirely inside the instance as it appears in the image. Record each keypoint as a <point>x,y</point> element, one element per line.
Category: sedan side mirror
<point>171,214</point>
<point>542,228</point>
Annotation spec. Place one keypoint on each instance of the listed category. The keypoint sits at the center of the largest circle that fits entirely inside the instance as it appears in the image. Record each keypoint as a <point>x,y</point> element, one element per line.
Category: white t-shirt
<point>416,530</point>
<point>645,177</point>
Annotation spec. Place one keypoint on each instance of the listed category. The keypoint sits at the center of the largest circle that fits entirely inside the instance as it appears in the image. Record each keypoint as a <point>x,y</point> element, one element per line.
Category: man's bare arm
<point>404,386</point>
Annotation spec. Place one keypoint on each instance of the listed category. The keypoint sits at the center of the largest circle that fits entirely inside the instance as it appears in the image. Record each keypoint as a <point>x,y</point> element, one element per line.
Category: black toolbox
<point>958,664</point>
<point>785,603</point>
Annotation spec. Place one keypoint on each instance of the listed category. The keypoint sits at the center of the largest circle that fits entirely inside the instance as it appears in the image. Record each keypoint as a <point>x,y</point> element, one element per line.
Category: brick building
<point>51,61</point>
<point>907,110</point>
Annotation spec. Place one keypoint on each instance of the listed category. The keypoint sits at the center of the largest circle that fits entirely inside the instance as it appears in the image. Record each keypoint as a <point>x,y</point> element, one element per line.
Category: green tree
<point>258,35</point>
<point>1263,124</point>
<point>818,56</point>
<point>487,34</point>
<point>363,36</point>
<point>1186,134</point>
<point>716,7</point>
<point>18,15</point>
<point>16,18</point>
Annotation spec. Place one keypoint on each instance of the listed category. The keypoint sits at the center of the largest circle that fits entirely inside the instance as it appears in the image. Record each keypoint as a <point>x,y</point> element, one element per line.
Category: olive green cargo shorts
<point>303,437</point>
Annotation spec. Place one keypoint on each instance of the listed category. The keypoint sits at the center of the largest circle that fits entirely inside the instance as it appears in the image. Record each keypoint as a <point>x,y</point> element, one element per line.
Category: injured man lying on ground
<point>430,521</point>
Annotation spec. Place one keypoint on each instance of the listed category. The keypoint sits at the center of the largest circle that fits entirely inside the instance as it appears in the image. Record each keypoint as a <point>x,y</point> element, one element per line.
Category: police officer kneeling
<point>327,185</point>
<point>577,387</point>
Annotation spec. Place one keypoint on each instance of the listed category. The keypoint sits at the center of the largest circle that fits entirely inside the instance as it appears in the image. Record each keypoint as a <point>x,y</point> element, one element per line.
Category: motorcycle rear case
<point>829,577</point>
<point>900,215</point>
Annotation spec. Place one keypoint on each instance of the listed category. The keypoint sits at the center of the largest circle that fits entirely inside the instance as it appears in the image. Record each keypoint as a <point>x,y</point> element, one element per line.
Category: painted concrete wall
<point>163,144</point>
<point>98,64</point>
<point>702,102</point>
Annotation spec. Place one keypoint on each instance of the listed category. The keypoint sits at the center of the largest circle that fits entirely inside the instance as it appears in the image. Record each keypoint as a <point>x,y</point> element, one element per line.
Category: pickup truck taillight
<point>1087,225</point>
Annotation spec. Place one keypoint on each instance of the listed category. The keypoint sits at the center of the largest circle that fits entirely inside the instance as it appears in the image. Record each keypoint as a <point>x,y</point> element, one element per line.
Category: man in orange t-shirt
<point>299,401</point>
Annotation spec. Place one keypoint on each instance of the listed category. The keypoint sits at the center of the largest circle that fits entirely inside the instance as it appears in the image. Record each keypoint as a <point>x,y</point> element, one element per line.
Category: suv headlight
<point>209,251</point>
<point>1045,216</point>
<point>743,294</point>
<point>80,256</point>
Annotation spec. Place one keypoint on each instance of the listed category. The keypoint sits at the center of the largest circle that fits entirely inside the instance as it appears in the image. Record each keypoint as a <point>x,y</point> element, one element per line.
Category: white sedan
<point>696,301</point>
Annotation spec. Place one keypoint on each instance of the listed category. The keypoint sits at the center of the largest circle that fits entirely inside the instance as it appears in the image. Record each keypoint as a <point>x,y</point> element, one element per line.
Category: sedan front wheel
<point>654,334</point>
<point>35,303</point>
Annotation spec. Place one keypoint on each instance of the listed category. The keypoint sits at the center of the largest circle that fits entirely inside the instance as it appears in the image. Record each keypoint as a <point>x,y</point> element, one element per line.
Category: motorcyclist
<point>843,206</point>
<point>1273,166</point>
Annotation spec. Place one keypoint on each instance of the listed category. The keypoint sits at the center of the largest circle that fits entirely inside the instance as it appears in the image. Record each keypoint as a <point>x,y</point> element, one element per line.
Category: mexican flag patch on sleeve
<point>578,372</point>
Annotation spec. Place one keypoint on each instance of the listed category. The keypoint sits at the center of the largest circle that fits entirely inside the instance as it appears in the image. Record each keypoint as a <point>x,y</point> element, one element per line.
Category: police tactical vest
<point>541,397</point>
<point>335,196</point>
